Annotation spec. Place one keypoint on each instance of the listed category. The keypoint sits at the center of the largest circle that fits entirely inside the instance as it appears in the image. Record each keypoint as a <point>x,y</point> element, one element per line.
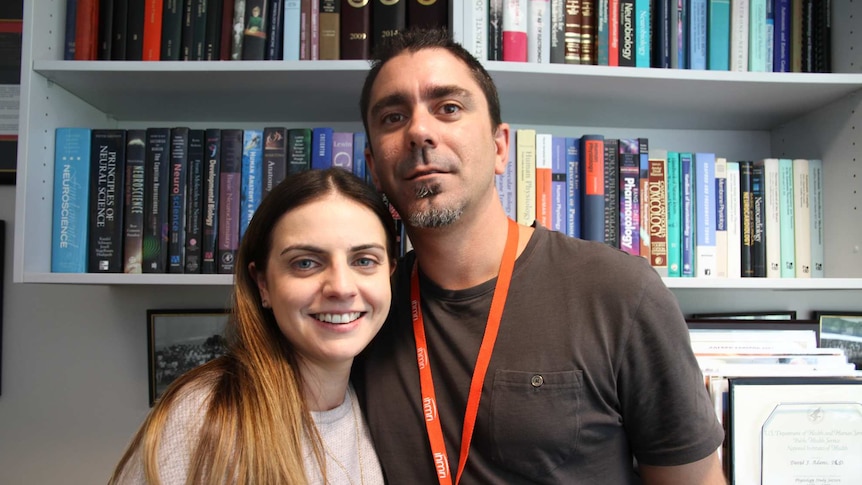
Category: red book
<point>87,30</point>
<point>613,32</point>
<point>515,30</point>
<point>153,30</point>
<point>226,30</point>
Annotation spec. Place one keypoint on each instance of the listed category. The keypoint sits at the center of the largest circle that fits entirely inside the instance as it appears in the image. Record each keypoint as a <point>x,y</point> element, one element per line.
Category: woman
<point>311,290</point>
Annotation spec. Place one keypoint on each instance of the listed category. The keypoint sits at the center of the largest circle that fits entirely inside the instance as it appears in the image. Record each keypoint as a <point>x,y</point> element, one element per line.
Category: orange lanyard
<point>429,400</point>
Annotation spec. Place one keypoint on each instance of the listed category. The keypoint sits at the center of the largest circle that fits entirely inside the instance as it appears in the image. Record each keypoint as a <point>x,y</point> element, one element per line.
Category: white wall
<point>74,371</point>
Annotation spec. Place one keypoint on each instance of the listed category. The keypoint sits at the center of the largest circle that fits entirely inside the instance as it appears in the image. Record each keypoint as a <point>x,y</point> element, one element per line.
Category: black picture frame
<point>842,330</point>
<point>180,340</point>
<point>781,315</point>
<point>2,277</point>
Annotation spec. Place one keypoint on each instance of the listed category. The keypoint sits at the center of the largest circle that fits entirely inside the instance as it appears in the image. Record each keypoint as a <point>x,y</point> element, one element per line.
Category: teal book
<point>815,201</point>
<point>687,216</point>
<point>602,33</point>
<point>697,34</point>
<point>786,218</point>
<point>71,200</point>
<point>757,38</point>
<point>674,204</point>
<point>643,42</point>
<point>718,44</point>
<point>251,188</point>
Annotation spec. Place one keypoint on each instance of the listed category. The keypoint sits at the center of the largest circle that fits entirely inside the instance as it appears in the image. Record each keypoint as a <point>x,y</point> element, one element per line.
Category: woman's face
<point>327,279</point>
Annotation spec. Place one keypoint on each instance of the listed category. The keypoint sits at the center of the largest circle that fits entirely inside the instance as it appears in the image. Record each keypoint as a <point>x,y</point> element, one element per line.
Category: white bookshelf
<point>748,115</point>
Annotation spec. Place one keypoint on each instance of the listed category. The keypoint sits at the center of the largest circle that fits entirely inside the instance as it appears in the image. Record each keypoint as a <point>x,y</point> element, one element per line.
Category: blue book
<point>321,148</point>
<point>781,36</point>
<point>686,162</point>
<point>359,155</point>
<point>559,197</point>
<point>292,28</point>
<point>342,150</point>
<point>603,31</point>
<point>643,47</point>
<point>697,34</point>
<point>705,258</point>
<point>251,178</point>
<point>661,54</point>
<point>71,200</point>
<point>573,187</point>
<point>718,45</point>
<point>592,169</point>
<point>70,30</point>
<point>757,39</point>
<point>674,203</point>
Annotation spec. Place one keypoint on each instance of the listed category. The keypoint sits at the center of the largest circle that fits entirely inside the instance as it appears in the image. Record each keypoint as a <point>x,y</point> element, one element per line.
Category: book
<point>815,202</point>
<point>746,211</point>
<point>87,30</point>
<point>506,184</point>
<point>687,222</point>
<point>678,49</point>
<point>209,218</point>
<point>643,153</point>
<point>612,193</point>
<point>657,211</point>
<point>292,23</point>
<point>119,29</point>
<point>237,30</point>
<point>661,39</point>
<point>718,45</point>
<point>572,32</point>
<point>321,155</point>
<point>592,169</point>
<point>771,215</point>
<point>697,34</point>
<point>558,31</point>
<point>355,31</point>
<point>155,251</point>
<point>757,35</point>
<point>643,41</point>
<point>588,32</point>
<point>573,187</point>
<point>720,217</point>
<point>428,13</point>
<point>251,178</point>
<point>602,33</point>
<point>229,31</point>
<point>172,30</point>
<point>559,196</point>
<point>152,39</point>
<point>629,195</point>
<point>494,44</point>
<point>739,27</point>
<point>539,31</point>
<point>342,150</point>
<point>107,170</point>
<point>786,218</point>
<point>476,28</point>
<point>274,158</point>
<point>802,218</point>
<point>359,143</point>
<point>195,202</point>
<point>298,150</point>
<point>613,32</point>
<point>178,196</point>
<point>213,30</point>
<point>69,237</point>
<point>781,37</point>
<point>627,33</point>
<point>515,21</point>
<point>229,205</point>
<point>674,211</point>
<point>330,29</point>
<point>254,30</point>
<point>69,32</point>
<point>543,177</point>
<point>388,18</point>
<point>133,204</point>
<point>525,139</point>
<point>734,229</point>
<point>274,49</point>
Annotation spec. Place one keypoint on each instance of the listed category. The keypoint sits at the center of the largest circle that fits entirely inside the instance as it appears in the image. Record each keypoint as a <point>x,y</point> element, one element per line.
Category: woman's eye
<point>304,264</point>
<point>365,262</point>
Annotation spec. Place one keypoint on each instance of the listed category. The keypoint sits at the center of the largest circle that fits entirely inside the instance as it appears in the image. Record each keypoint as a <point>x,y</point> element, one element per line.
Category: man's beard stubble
<point>433,216</point>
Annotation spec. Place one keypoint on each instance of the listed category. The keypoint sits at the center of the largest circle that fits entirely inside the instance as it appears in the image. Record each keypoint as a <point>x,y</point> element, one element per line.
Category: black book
<point>106,30</point>
<point>275,31</point>
<point>745,211</point>
<point>187,31</point>
<point>612,193</point>
<point>135,195</point>
<point>298,150</point>
<point>495,30</point>
<point>627,33</point>
<point>425,13</point>
<point>758,219</point>
<point>229,199</point>
<point>135,30</point>
<point>254,33</point>
<point>107,180</point>
<point>209,222</point>
<point>172,30</point>
<point>194,201</point>
<point>212,33</point>
<point>388,18</point>
<point>274,158</point>
<point>156,201</point>
<point>179,161</point>
<point>200,10</point>
<point>119,30</point>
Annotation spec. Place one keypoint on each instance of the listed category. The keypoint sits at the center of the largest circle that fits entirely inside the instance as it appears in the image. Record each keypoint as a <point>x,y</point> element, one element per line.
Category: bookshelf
<point>738,114</point>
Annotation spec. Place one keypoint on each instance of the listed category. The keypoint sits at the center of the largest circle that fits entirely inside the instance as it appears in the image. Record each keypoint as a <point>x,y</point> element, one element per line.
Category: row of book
<point>175,200</point>
<point>153,30</point>
<point>724,35</point>
<point>692,214</point>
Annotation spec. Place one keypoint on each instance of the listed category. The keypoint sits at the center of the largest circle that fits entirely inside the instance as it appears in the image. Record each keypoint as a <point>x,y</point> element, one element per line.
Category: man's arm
<point>702,472</point>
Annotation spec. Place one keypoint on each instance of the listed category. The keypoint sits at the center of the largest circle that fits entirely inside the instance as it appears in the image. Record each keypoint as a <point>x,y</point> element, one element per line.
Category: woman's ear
<point>260,279</point>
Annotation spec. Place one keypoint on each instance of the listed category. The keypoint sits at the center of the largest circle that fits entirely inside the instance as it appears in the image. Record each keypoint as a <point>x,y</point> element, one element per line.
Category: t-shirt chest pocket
<point>534,419</point>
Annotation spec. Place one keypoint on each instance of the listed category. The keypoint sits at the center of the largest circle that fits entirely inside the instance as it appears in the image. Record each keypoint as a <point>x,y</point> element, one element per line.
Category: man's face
<point>432,148</point>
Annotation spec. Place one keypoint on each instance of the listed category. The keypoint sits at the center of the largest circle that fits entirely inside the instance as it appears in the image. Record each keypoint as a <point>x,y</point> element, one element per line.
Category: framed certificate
<point>795,430</point>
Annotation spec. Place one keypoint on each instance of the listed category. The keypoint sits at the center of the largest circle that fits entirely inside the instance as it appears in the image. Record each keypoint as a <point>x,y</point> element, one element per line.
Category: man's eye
<point>450,108</point>
<point>393,118</point>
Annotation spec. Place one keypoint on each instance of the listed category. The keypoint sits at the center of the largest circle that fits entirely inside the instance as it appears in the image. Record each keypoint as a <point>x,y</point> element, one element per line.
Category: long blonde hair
<point>256,418</point>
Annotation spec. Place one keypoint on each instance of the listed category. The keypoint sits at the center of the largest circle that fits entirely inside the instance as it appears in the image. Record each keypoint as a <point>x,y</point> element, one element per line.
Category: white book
<point>292,28</point>
<point>739,25</point>
<point>525,154</point>
<point>815,201</point>
<point>788,232</point>
<point>721,217</point>
<point>772,216</point>
<point>802,218</point>
<point>539,31</point>
<point>734,222</point>
<point>475,31</point>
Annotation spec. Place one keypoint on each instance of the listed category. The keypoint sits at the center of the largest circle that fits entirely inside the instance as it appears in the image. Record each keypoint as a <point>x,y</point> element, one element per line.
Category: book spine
<point>643,47</point>
<point>330,29</point>
<point>251,177</point>
<point>588,32</point>
<point>135,30</point>
<point>781,40</point>
<point>758,219</point>
<point>229,198</point>
<point>720,217</point>
<point>802,217</point>
<point>87,30</point>
<point>237,29</point>
<point>355,30</point>
<point>298,150</point>
<point>772,216</point>
<point>69,247</point>
<point>107,170</point>
<point>199,30</point>
<point>677,37</point>
<point>757,36</point>
<point>697,34</point>
<point>718,47</point>
<point>195,202</point>
<point>105,29</point>
<point>506,183</point>
<point>187,33</point>
<point>558,31</point>
<point>674,206</point>
<point>559,198</point>
<point>476,28</point>
<point>495,30</point>
<point>254,31</point>
<point>705,264</point>
<point>209,223</point>
<point>734,228</point>
<point>629,189</point>
<point>172,27</point>
<point>274,50</point>
<point>815,202</point>
<point>526,179</point>
<point>657,194</point>
<point>428,13</point>
<point>292,30</point>
<point>120,30</point>
<point>388,18</point>
<point>612,193</point>
<point>539,31</point>
<point>627,33</point>
<point>613,32</point>
<point>662,35</point>
<point>746,262</point>
<point>226,39</point>
<point>156,202</point>
<point>602,36</point>
<point>152,41</point>
<point>135,195</point>
<point>573,186</point>
<point>69,34</point>
<point>686,162</point>
<point>544,152</point>
<point>274,158</point>
<point>786,218</point>
<point>178,199</point>
<point>739,25</point>
<point>592,151</point>
<point>342,150</point>
<point>321,156</point>
<point>515,20</point>
<point>769,34</point>
<point>359,142</point>
<point>643,153</point>
<point>213,30</point>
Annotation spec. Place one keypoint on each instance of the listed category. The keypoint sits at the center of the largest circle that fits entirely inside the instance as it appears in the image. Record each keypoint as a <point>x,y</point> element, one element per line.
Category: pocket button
<point>537,380</point>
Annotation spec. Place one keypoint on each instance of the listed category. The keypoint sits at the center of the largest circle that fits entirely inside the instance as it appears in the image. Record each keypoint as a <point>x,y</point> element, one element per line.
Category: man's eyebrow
<point>394,99</point>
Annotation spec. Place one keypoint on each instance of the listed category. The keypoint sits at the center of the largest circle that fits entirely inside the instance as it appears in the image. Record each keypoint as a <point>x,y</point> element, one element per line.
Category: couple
<point>512,354</point>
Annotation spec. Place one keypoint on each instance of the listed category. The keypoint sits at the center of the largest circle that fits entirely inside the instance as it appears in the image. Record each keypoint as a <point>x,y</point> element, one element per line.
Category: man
<point>580,366</point>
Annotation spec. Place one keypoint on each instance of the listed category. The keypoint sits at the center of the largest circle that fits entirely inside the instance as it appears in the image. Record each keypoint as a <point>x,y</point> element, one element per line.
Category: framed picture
<point>795,430</point>
<point>776,315</point>
<point>2,277</point>
<point>842,330</point>
<point>736,334</point>
<point>180,340</point>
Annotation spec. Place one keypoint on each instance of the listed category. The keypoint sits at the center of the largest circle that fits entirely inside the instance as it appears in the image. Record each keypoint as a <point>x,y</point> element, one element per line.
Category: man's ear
<point>369,166</point>
<point>501,145</point>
